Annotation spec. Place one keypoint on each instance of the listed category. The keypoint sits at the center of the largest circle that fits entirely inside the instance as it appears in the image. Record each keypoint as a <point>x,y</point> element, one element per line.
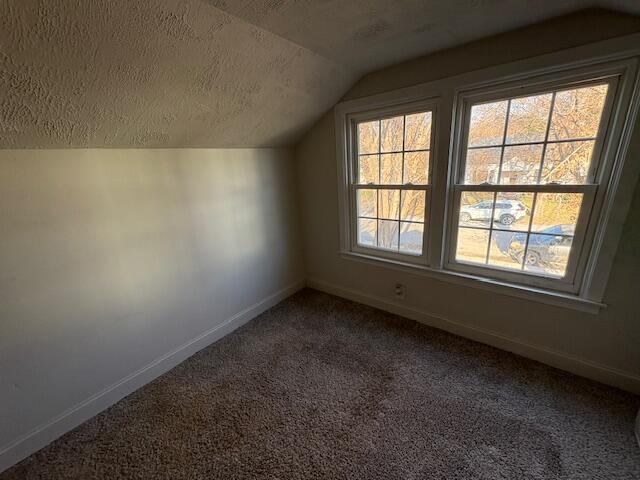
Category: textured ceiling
<point>369,34</point>
<point>154,73</point>
<point>214,73</point>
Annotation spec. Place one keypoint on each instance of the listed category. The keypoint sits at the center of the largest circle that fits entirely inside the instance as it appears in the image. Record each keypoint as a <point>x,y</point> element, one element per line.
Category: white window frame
<point>593,190</point>
<point>616,178</point>
<point>353,119</point>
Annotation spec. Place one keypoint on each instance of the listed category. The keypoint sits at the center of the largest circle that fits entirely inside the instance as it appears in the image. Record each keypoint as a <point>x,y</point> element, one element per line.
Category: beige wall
<point>110,259</point>
<point>603,345</point>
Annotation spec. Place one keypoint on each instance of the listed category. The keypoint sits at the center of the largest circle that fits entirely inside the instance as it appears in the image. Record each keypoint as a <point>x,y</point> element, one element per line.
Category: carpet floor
<point>320,387</point>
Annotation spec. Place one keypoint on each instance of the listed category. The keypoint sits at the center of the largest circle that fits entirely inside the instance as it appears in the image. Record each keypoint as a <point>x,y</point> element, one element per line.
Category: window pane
<point>367,206</point>
<point>416,168</point>
<point>556,212</point>
<point>472,245</point>
<point>554,222</point>
<point>548,254</point>
<point>367,231</point>
<point>411,237</point>
<point>368,137</point>
<point>393,151</point>
<point>392,130</point>
<point>546,138</point>
<point>528,119</point>
<point>413,203</point>
<point>482,166</point>
<point>389,204</point>
<point>388,234</point>
<point>487,124</point>
<point>567,162</point>
<point>391,168</point>
<point>368,169</point>
<point>521,165</point>
<point>417,134</point>
<point>577,112</point>
<point>505,250</point>
<point>512,211</point>
<point>476,209</point>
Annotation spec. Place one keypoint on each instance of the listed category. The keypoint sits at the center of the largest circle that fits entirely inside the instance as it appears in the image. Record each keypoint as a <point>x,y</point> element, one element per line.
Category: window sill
<point>548,297</point>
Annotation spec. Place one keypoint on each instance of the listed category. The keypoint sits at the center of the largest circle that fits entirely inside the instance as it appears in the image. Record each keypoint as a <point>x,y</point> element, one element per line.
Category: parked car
<point>544,247</point>
<point>506,211</point>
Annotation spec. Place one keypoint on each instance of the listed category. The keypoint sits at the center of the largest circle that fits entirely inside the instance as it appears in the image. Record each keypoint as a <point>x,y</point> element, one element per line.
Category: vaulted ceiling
<point>215,73</point>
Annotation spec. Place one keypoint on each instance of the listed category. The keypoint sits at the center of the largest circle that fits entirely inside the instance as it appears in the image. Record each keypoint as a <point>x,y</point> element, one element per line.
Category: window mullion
<point>391,186</point>
<point>537,142</point>
<point>404,126</point>
<point>495,194</point>
<point>379,181</point>
<point>546,136</point>
<point>504,141</point>
<point>530,188</point>
<point>493,210</point>
<point>526,245</point>
<point>436,222</point>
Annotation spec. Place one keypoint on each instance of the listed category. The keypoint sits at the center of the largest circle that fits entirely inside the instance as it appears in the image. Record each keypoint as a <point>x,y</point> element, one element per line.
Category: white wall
<point>110,259</point>
<point>603,346</point>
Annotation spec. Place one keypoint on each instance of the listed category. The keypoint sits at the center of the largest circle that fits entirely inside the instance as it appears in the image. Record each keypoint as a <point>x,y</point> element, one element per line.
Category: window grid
<point>544,143</point>
<point>402,188</point>
<point>502,147</point>
<point>524,144</point>
<point>535,194</point>
<point>534,189</point>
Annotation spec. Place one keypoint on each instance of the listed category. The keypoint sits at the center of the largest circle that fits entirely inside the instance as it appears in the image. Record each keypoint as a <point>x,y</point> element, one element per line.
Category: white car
<point>506,211</point>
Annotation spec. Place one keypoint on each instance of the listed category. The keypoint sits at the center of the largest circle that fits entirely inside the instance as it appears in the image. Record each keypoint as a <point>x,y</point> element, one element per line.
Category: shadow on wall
<point>111,258</point>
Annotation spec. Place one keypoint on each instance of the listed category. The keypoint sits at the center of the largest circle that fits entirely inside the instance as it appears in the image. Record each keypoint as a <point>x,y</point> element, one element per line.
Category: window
<point>527,181</point>
<point>390,184</point>
<point>507,181</point>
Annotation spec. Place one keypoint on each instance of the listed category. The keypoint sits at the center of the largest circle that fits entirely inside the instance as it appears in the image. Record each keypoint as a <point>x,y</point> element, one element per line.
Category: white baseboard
<point>585,368</point>
<point>41,436</point>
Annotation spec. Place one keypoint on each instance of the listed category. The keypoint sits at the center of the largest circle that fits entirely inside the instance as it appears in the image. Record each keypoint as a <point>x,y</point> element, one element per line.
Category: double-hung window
<point>390,187</point>
<point>506,180</point>
<point>526,181</point>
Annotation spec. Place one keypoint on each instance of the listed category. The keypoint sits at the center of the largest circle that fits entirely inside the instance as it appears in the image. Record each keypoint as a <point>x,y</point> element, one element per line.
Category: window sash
<point>466,101</point>
<point>354,185</point>
<point>568,282</point>
<point>588,217</point>
<point>380,251</point>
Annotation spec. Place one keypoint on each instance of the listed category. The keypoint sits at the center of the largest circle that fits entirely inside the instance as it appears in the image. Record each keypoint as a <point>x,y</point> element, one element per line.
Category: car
<point>544,247</point>
<point>506,211</point>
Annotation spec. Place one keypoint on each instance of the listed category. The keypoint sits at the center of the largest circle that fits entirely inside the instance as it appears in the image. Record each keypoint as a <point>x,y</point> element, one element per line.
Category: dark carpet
<point>319,387</point>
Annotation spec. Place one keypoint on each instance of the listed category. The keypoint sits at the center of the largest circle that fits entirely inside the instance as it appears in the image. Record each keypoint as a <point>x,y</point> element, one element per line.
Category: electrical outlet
<point>399,291</point>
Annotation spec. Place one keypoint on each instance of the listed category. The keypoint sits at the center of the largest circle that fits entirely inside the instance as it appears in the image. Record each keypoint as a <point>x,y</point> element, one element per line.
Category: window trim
<point>622,179</point>
<point>381,113</point>
<point>606,73</point>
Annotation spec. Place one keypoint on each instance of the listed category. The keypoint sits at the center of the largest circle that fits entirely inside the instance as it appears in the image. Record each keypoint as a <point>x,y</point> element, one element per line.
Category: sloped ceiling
<point>215,73</point>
